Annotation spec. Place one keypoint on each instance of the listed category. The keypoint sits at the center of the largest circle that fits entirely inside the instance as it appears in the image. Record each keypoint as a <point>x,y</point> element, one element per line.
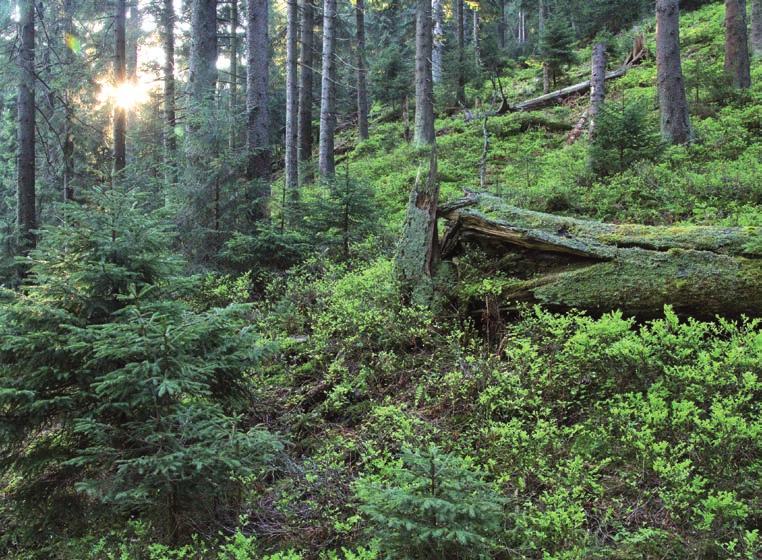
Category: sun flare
<point>127,95</point>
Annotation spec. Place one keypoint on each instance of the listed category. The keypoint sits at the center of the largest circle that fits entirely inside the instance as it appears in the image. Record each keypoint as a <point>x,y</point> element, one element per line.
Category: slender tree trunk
<point>203,52</point>
<point>133,36</point>
<point>120,71</point>
<point>26,197</point>
<point>545,68</point>
<point>170,118</point>
<point>737,63</point>
<point>305,91</point>
<point>233,140</point>
<point>292,107</point>
<point>424,95</point>
<point>362,73</point>
<point>756,28</point>
<point>477,41</point>
<point>328,92</point>
<point>461,32</point>
<point>258,121</point>
<point>673,105</point>
<point>501,25</point>
<point>523,27</point>
<point>68,134</point>
<point>406,119</point>
<point>597,84</point>
<point>438,41</point>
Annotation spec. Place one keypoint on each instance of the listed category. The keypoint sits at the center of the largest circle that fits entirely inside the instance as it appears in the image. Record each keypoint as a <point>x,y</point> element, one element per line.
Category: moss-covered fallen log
<point>566,262</point>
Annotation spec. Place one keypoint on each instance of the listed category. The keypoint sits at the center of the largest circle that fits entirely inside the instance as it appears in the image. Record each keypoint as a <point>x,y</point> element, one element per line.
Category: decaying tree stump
<point>571,263</point>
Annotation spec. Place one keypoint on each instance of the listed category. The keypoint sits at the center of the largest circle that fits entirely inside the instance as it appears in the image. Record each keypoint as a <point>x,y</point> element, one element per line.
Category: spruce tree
<point>557,47</point>
<point>437,505</point>
<point>111,387</point>
<point>623,136</point>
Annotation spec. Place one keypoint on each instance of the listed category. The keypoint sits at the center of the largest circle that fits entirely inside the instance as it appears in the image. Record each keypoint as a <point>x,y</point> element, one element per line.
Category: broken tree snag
<point>571,263</point>
<point>418,250</point>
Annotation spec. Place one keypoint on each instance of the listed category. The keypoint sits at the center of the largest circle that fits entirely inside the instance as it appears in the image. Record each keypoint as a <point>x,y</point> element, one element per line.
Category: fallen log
<point>636,56</point>
<point>566,263</point>
<point>555,97</point>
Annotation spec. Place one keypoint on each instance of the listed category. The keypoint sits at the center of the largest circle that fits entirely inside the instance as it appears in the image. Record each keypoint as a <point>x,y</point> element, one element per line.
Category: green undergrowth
<point>717,179</point>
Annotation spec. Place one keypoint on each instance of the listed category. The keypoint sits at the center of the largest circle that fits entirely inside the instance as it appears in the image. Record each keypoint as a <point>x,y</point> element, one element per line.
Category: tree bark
<point>305,91</point>
<point>756,28</point>
<point>541,32</point>
<point>68,133</point>
<point>461,32</point>
<point>234,47</point>
<point>438,41</point>
<point>258,114</point>
<point>501,25</point>
<point>424,94</point>
<point>326,163</point>
<point>673,105</point>
<point>25,164</point>
<point>521,28</point>
<point>362,73</point>
<point>571,263</point>
<point>170,117</point>
<point>133,36</point>
<point>120,70</point>
<point>737,63</point>
<point>203,52</point>
<point>292,107</point>
<point>477,42</point>
<point>418,251</point>
<point>597,84</point>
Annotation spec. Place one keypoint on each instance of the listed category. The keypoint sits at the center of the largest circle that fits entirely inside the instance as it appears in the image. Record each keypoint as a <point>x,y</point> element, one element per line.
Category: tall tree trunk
<point>362,73</point>
<point>68,134</point>
<point>292,107</point>
<point>673,105</point>
<point>737,64</point>
<point>120,71</point>
<point>477,42</point>
<point>133,36</point>
<point>170,118</point>
<point>541,30</point>
<point>461,32</point>
<point>424,95</point>
<point>438,41</point>
<point>26,197</point>
<point>597,84</point>
<point>522,27</point>
<point>233,108</point>
<point>501,25</point>
<point>258,121</point>
<point>756,28</point>
<point>328,92</point>
<point>305,91</point>
<point>203,52</point>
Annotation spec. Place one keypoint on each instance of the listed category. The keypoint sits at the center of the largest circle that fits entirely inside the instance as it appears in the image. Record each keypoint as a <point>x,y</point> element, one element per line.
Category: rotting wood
<point>566,262</point>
